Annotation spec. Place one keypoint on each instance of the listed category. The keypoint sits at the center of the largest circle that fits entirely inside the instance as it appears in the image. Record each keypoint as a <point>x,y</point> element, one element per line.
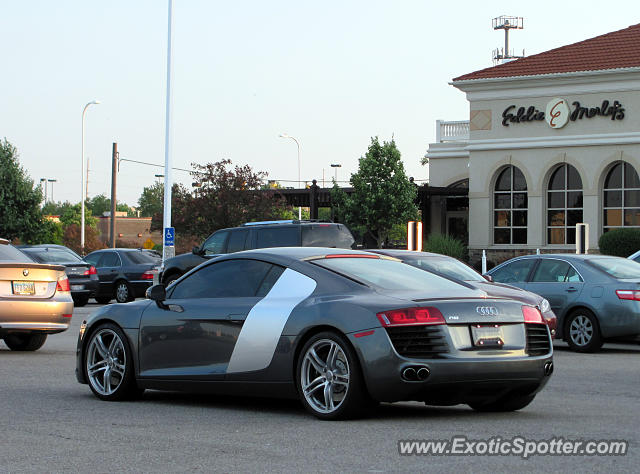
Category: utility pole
<point>114,175</point>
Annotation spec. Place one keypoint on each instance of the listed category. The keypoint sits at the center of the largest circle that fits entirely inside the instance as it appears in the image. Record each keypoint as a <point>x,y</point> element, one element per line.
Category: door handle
<point>571,289</point>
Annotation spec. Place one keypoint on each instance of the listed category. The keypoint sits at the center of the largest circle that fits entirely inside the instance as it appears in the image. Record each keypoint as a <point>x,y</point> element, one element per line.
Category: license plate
<point>77,287</point>
<point>24,288</point>
<point>487,336</point>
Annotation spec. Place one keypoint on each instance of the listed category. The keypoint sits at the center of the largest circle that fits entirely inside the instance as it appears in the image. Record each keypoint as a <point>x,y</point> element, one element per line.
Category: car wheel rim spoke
<point>325,376</point>
<point>581,330</point>
<point>106,362</point>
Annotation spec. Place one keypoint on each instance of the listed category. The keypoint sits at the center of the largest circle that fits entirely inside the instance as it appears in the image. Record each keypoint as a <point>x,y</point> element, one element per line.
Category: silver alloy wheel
<point>106,361</point>
<point>122,292</point>
<point>581,330</point>
<point>324,376</point>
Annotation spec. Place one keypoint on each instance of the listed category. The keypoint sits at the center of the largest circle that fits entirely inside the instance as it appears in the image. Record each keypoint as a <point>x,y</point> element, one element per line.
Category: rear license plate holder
<point>77,287</point>
<point>487,335</point>
<point>23,288</point>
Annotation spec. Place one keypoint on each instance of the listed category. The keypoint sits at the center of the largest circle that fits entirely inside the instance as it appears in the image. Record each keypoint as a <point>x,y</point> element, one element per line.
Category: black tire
<point>511,402</point>
<point>25,342</point>
<point>80,300</point>
<point>582,331</point>
<point>118,357</point>
<point>171,278</point>
<point>353,401</point>
<point>122,292</point>
<point>103,299</point>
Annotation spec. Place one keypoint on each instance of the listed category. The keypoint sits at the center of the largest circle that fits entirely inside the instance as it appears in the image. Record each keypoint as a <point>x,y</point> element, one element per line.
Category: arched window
<point>564,205</point>
<point>621,197</point>
<point>510,207</point>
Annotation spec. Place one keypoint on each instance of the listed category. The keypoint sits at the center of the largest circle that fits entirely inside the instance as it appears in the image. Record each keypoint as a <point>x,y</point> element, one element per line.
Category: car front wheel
<point>108,364</point>
<point>583,331</point>
<point>329,379</point>
<point>25,342</point>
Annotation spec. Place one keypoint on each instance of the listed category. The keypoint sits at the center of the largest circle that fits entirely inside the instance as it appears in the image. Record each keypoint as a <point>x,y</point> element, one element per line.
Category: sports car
<point>339,329</point>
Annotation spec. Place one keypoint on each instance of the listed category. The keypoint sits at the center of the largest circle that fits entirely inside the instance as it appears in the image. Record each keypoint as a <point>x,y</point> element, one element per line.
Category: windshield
<point>142,257</point>
<point>52,255</point>
<point>617,267</point>
<point>387,274</point>
<point>326,235</point>
<point>449,267</point>
<point>12,254</point>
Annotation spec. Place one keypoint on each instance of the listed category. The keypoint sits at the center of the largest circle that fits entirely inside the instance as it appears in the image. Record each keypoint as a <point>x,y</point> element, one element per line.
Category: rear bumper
<point>83,286</point>
<point>140,287</point>
<point>20,315</point>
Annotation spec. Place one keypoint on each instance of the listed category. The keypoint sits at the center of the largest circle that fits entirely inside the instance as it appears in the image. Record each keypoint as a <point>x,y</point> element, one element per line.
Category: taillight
<point>532,315</point>
<point>91,271</point>
<point>628,295</point>
<point>63,284</point>
<point>411,316</point>
<point>148,275</point>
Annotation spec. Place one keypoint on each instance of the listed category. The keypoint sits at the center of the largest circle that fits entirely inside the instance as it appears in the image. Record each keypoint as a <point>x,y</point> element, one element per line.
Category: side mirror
<point>488,277</point>
<point>158,294</point>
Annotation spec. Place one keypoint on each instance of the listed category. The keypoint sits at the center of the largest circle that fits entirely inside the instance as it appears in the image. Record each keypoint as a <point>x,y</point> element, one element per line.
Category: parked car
<point>635,256</point>
<point>83,277</point>
<point>339,329</point>
<point>124,274</point>
<point>453,268</point>
<point>257,235</point>
<point>595,297</point>
<point>35,300</point>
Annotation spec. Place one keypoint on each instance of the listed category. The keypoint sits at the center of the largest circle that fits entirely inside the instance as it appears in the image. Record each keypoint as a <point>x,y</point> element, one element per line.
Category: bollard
<point>484,262</point>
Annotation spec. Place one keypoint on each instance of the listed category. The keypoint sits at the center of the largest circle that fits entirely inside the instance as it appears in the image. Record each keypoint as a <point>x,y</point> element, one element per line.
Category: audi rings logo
<point>487,310</point>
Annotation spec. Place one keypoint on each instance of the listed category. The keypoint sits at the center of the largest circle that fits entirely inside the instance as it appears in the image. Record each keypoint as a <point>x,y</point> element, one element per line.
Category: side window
<point>270,280</point>
<point>279,237</point>
<point>228,279</point>
<point>237,240</point>
<point>216,244</point>
<point>93,259</point>
<point>109,259</point>
<point>514,272</point>
<point>551,270</point>
<point>573,275</point>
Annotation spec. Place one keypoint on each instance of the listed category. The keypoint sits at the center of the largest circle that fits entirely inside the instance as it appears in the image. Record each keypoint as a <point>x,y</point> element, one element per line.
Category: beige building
<point>552,140</point>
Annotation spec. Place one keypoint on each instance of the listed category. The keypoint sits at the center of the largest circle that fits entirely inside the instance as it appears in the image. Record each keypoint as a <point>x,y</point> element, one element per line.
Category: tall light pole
<point>52,180</point>
<point>284,135</point>
<point>167,251</point>
<point>336,166</point>
<point>84,112</point>
<point>44,180</point>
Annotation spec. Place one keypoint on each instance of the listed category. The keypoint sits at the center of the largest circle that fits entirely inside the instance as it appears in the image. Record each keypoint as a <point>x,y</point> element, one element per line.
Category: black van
<point>258,235</point>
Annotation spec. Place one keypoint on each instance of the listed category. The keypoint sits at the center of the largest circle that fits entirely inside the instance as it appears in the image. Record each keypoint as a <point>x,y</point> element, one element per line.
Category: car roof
<point>296,253</point>
<point>574,256</point>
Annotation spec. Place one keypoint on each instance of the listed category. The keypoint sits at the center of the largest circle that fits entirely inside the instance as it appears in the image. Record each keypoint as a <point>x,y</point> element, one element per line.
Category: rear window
<point>52,255</point>
<point>446,266</point>
<point>142,257</point>
<point>326,235</point>
<point>12,254</point>
<point>617,267</point>
<point>387,274</point>
<point>278,237</point>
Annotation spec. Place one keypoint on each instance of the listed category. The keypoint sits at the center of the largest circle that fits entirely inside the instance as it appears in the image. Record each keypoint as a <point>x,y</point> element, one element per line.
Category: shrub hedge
<point>620,242</point>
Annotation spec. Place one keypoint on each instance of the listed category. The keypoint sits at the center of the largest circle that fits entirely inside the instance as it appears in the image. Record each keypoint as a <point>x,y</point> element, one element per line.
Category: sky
<point>332,74</point>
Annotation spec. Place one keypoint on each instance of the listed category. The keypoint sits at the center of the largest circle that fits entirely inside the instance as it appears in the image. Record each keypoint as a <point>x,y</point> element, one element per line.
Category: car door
<point>515,272</point>
<point>194,334</point>
<point>108,267</point>
<point>557,281</point>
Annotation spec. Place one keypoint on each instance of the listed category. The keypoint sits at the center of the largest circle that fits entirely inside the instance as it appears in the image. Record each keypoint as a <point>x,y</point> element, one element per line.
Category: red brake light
<point>91,271</point>
<point>411,316</point>
<point>63,284</point>
<point>628,295</point>
<point>532,315</point>
<point>148,275</point>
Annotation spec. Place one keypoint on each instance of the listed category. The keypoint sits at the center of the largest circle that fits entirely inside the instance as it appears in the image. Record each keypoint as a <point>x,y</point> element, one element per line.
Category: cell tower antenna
<point>506,23</point>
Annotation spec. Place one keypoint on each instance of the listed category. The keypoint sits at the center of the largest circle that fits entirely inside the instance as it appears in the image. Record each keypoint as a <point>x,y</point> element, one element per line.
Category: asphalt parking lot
<point>50,423</point>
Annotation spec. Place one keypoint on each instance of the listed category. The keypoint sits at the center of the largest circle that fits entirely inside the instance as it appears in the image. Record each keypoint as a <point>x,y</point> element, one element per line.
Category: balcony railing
<point>452,131</point>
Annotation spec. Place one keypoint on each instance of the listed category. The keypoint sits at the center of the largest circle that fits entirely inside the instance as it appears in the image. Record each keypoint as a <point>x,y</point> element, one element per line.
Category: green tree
<point>20,213</point>
<point>382,194</point>
<point>71,214</point>
<point>150,202</point>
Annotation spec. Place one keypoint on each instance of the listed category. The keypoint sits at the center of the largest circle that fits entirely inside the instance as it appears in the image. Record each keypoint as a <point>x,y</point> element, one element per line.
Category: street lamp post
<point>284,135</point>
<point>336,166</point>
<point>44,180</point>
<point>52,180</point>
<point>84,112</point>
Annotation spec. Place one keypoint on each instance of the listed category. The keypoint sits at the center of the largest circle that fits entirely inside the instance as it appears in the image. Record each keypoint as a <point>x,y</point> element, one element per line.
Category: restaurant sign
<point>558,112</point>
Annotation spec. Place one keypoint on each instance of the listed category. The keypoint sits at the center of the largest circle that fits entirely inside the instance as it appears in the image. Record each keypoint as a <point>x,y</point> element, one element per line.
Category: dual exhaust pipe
<point>415,373</point>
<point>548,368</point>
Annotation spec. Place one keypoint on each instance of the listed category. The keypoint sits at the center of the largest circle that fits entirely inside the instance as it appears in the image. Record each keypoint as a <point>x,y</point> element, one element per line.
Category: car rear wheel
<point>123,292</point>
<point>80,300</point>
<point>108,364</point>
<point>508,403</point>
<point>25,342</point>
<point>583,331</point>
<point>170,279</point>
<point>329,379</point>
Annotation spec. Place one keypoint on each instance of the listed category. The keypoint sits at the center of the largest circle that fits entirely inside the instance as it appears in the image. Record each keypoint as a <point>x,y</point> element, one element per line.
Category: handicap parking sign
<point>169,237</point>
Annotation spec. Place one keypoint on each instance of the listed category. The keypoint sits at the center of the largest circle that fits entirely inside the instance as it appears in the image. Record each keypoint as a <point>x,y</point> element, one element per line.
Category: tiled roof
<point>618,49</point>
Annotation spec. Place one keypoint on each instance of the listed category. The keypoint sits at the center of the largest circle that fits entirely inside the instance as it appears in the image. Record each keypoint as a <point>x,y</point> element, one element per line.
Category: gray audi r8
<point>340,329</point>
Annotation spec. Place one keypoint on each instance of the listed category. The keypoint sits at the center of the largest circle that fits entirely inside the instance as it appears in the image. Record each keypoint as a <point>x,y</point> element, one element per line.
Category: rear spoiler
<point>42,266</point>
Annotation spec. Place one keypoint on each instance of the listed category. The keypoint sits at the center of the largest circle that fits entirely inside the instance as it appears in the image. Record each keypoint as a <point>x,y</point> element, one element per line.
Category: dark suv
<point>258,235</point>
